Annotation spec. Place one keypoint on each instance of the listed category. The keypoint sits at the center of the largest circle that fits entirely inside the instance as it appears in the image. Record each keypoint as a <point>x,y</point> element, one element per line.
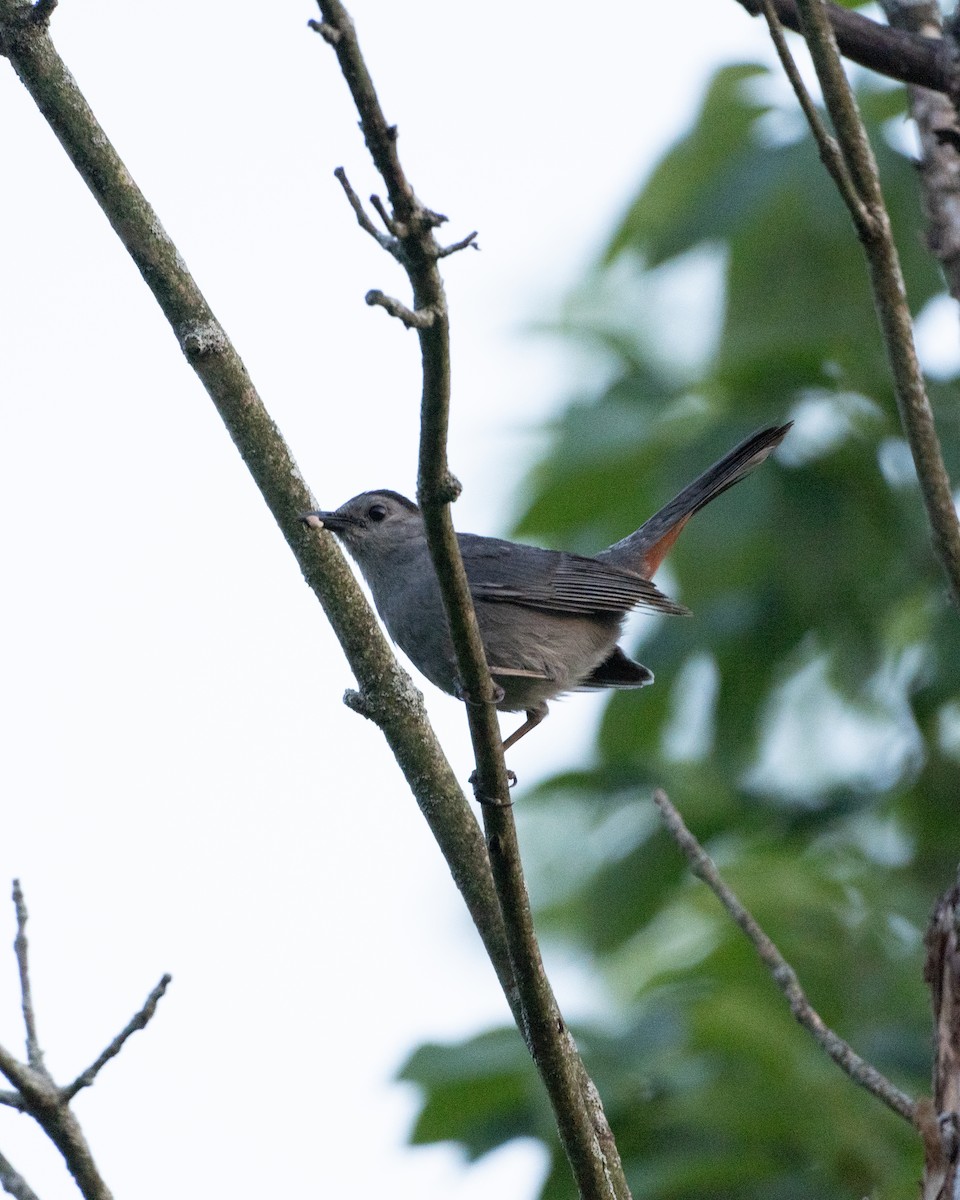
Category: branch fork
<point>35,1090</point>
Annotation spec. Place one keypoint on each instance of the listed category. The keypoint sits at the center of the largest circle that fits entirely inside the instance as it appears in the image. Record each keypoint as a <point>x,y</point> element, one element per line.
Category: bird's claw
<point>492,801</point>
<point>461,693</point>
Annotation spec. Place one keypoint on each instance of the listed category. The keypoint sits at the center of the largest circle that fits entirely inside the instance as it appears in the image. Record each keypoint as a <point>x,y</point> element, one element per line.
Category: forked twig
<point>886,281</point>
<point>37,1093</point>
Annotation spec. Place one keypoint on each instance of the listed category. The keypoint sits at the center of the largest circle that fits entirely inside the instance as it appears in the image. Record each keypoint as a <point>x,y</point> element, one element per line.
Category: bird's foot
<point>461,694</point>
<point>492,801</point>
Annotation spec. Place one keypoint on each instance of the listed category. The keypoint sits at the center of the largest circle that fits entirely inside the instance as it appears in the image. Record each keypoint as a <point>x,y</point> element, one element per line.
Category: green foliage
<point>806,721</point>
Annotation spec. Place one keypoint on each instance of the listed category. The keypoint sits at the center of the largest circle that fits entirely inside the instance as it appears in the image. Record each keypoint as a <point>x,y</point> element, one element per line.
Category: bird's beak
<point>324,520</point>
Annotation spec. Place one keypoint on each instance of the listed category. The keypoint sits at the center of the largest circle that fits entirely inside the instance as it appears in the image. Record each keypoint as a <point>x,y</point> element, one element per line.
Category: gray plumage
<point>549,620</point>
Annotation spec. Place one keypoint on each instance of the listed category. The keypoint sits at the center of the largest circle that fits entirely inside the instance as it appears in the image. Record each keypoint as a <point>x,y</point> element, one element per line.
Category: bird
<point>550,621</point>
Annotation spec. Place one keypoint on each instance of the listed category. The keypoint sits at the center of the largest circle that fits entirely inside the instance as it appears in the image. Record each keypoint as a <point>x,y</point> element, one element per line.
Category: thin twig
<point>391,698</point>
<point>13,1182</point>
<point>382,239</point>
<point>423,318</point>
<point>390,223</point>
<point>21,948</point>
<point>889,291</point>
<point>583,1128</point>
<point>841,102</point>
<point>784,976</point>
<point>830,154</point>
<point>136,1022</point>
<point>38,1093</point>
<point>470,240</point>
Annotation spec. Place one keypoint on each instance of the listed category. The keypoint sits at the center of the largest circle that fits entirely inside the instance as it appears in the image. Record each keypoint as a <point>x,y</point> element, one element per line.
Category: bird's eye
<point>377,512</point>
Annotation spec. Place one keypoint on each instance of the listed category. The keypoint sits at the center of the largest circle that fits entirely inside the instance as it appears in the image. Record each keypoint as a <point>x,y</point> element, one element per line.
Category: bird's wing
<point>552,581</point>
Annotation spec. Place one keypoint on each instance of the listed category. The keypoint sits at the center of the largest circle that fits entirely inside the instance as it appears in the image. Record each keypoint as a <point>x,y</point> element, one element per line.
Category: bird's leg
<point>534,717</point>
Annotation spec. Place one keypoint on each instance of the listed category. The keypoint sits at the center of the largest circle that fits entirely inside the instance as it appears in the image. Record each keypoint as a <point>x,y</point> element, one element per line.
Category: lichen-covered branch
<point>386,693</point>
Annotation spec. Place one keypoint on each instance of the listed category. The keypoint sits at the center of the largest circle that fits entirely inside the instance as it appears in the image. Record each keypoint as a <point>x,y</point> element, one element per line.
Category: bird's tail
<point>644,550</point>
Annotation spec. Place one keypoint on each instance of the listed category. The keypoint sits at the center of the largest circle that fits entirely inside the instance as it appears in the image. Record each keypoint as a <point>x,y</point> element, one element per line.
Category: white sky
<point>183,790</point>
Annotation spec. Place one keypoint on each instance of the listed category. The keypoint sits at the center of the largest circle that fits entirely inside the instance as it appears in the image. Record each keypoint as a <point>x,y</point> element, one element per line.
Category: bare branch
<point>387,243</point>
<point>14,1183</point>
<point>21,949</point>
<point>889,290</point>
<point>39,1095</point>
<point>841,102</point>
<point>396,704</point>
<point>136,1022</point>
<point>470,240</point>
<point>423,318</point>
<point>395,227</point>
<point>890,52</point>
<point>830,154</point>
<point>942,975</point>
<point>580,1120</point>
<point>936,119</point>
<point>784,976</point>
<point>330,36</point>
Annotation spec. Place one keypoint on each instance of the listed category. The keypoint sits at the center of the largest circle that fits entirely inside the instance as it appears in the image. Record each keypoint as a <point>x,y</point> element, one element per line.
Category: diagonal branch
<point>581,1122</point>
<point>784,976</point>
<point>887,285</point>
<point>830,153</point>
<point>13,1182</point>
<point>386,694</point>
<point>138,1021</point>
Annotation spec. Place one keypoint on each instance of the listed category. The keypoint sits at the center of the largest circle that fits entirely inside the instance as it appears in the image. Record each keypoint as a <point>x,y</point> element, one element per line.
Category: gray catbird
<point>549,620</point>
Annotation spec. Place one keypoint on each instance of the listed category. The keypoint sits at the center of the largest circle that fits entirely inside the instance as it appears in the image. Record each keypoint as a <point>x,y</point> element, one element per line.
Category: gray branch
<point>36,1092</point>
<point>936,119</point>
<point>13,1182</point>
<point>784,976</point>
<point>137,1022</point>
<point>892,52</point>
<point>392,700</point>
<point>583,1127</point>
<point>872,223</point>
